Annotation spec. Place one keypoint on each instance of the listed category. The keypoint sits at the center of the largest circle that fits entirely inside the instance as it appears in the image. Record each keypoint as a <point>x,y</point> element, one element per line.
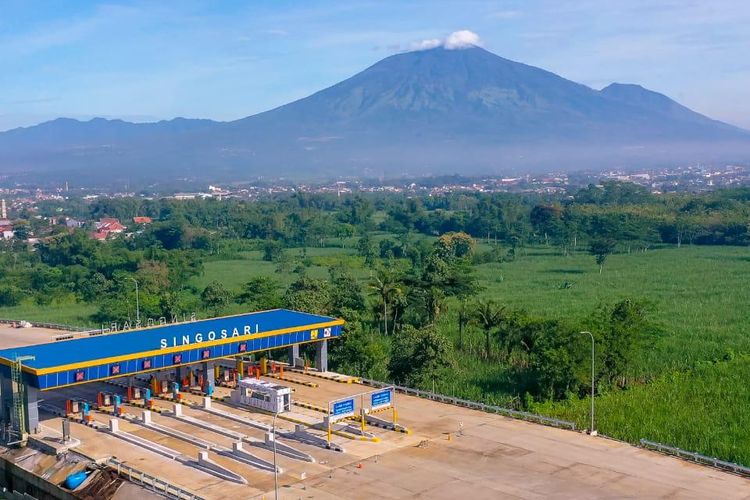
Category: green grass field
<point>235,273</point>
<point>697,294</point>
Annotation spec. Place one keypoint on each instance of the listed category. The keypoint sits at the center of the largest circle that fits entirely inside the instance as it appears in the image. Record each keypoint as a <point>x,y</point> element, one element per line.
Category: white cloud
<point>461,40</point>
<point>455,41</point>
<point>430,43</point>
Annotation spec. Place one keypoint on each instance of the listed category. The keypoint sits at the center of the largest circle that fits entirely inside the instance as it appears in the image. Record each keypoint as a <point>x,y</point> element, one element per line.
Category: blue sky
<point>144,61</point>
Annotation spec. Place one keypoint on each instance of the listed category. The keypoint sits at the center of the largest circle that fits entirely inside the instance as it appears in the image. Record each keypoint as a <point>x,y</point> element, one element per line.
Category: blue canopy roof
<point>162,339</point>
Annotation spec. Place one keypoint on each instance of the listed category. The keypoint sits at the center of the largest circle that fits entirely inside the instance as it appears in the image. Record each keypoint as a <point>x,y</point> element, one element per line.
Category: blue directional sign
<point>380,399</point>
<point>343,407</point>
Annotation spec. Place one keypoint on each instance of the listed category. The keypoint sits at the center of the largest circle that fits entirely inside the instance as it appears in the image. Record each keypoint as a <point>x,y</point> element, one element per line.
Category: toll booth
<point>263,395</point>
<point>27,370</point>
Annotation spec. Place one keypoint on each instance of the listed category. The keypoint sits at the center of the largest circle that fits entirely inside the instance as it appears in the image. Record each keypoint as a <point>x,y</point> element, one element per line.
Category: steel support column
<point>321,356</point>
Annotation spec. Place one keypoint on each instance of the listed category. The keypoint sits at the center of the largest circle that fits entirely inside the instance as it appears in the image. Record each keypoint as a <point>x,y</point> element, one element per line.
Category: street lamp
<point>137,301</point>
<point>591,429</point>
<point>275,469</point>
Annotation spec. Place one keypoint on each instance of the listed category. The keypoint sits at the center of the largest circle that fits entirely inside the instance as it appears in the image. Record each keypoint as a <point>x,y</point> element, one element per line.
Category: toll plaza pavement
<point>451,452</point>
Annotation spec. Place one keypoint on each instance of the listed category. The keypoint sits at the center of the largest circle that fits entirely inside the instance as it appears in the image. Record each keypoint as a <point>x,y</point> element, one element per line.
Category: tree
<point>489,315</point>
<point>360,352</point>
<point>10,295</point>
<point>171,234</point>
<point>601,248</point>
<point>153,275</point>
<point>309,295</point>
<point>384,285</point>
<point>419,355</point>
<point>366,249</point>
<point>390,249</point>
<point>22,232</point>
<point>215,297</point>
<point>556,359</point>
<point>622,327</point>
<point>261,293</point>
<point>346,292</point>
<point>94,287</point>
<point>272,251</point>
<point>452,246</point>
<point>547,219</point>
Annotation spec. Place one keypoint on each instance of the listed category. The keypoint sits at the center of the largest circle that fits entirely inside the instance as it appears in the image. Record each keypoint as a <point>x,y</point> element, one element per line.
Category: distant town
<point>21,203</point>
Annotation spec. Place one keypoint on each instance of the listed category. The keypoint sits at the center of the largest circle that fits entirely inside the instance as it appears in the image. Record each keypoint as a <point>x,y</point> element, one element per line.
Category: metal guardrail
<point>156,485</point>
<point>696,457</point>
<point>508,412</point>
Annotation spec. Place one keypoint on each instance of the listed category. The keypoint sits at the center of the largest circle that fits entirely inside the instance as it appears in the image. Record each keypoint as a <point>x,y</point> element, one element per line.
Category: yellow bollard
<point>263,366</point>
<point>362,418</point>
<point>395,416</point>
<point>240,368</point>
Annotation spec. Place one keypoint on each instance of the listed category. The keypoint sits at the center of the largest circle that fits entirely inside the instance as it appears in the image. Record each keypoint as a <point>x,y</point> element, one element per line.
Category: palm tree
<point>385,285</point>
<point>489,315</point>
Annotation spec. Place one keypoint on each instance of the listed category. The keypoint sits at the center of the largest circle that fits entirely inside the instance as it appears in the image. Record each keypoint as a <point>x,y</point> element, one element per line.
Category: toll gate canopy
<point>161,347</point>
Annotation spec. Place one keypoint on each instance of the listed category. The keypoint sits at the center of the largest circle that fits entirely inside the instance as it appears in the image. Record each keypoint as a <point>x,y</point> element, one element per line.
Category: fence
<point>521,415</point>
<point>696,457</point>
<point>156,485</point>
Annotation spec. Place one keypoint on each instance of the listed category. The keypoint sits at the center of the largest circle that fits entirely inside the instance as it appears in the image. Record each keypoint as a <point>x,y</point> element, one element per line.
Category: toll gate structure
<point>27,370</point>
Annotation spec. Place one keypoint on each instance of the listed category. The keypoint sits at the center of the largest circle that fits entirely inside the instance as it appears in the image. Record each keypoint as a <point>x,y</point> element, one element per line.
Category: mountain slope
<point>431,111</point>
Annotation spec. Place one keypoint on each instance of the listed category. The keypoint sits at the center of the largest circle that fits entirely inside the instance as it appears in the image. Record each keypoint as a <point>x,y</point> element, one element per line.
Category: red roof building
<point>142,220</point>
<point>109,225</point>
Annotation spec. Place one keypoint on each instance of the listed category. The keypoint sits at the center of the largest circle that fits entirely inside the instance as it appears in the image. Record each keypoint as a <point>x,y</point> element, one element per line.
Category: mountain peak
<point>655,102</point>
<point>448,106</point>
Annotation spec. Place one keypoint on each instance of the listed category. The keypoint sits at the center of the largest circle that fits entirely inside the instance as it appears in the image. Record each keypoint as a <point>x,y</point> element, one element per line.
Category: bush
<point>10,295</point>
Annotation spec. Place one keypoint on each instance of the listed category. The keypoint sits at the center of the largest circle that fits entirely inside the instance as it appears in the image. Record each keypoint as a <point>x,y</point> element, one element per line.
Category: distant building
<point>109,225</point>
<point>74,223</point>
<point>191,196</point>
<point>142,220</point>
<point>8,232</point>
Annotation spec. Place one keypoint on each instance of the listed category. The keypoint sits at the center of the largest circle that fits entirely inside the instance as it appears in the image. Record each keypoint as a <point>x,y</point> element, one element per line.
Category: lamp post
<point>275,469</point>
<point>137,301</point>
<point>591,429</point>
